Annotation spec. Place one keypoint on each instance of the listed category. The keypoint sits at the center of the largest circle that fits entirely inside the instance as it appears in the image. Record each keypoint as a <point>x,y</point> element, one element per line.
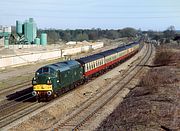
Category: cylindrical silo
<point>6,43</point>
<point>19,27</point>
<point>30,30</point>
<point>43,39</point>
<point>37,41</point>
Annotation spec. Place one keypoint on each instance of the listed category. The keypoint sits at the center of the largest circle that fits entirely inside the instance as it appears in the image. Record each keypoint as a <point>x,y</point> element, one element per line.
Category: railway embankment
<point>153,104</point>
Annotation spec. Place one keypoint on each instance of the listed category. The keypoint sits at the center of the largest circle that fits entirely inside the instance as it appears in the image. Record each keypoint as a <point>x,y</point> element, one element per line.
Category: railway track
<point>82,115</point>
<point>13,111</point>
<point>14,88</point>
<point>10,111</point>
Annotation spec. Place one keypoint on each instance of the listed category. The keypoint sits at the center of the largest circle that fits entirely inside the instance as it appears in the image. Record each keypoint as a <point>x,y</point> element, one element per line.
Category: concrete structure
<point>2,42</point>
<point>71,51</point>
<point>86,48</point>
<point>5,32</point>
<point>97,45</point>
<point>27,58</point>
<point>24,57</point>
<point>71,43</point>
<point>81,47</point>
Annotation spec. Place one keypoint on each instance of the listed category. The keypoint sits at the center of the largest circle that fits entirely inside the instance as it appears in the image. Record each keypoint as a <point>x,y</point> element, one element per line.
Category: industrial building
<point>5,33</point>
<point>26,34</point>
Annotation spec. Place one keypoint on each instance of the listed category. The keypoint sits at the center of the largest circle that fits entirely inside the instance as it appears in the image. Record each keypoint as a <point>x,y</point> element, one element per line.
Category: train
<point>55,79</point>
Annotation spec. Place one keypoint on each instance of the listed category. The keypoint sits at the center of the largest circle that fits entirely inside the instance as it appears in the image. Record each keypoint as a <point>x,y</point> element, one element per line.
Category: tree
<point>170,32</point>
<point>129,32</point>
<point>82,37</point>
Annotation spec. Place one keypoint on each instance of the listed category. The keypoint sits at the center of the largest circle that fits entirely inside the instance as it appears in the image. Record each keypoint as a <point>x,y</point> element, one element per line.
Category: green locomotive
<point>50,80</point>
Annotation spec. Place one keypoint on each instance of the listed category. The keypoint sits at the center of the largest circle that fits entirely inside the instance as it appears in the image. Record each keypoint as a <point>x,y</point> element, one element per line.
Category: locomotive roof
<point>72,63</point>
<point>63,66</point>
<point>59,66</point>
<point>90,58</point>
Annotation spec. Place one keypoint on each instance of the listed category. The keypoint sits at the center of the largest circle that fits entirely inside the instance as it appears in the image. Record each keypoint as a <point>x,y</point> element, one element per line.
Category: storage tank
<point>30,30</point>
<point>19,27</point>
<point>43,39</point>
<point>6,43</point>
<point>37,41</point>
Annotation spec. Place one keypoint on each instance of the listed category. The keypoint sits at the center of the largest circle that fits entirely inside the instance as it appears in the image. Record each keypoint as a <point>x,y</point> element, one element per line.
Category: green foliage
<point>167,35</point>
<point>86,34</point>
<point>170,32</point>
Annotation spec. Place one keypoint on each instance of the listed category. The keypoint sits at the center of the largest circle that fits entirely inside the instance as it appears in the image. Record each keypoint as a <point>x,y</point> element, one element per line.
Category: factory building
<point>26,34</point>
<point>5,33</point>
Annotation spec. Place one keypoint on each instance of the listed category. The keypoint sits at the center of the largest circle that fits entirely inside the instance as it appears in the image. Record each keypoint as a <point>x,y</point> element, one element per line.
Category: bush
<point>163,57</point>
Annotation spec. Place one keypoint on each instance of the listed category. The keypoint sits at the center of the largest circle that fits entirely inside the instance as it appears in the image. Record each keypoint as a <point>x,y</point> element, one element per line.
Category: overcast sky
<point>105,14</point>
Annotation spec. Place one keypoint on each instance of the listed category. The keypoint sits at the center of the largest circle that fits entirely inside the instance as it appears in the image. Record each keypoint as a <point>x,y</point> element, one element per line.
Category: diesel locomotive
<point>55,79</point>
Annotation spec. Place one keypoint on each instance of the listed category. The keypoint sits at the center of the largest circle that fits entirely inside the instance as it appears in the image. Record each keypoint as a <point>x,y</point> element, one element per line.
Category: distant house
<point>71,43</point>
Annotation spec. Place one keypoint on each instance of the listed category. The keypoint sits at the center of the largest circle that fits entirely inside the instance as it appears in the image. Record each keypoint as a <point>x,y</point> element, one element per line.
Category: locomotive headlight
<point>34,93</point>
<point>57,81</point>
<point>34,81</point>
<point>49,93</point>
<point>49,82</point>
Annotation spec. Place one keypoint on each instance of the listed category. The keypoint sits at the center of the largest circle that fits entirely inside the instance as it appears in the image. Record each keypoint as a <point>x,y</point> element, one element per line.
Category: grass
<point>161,74</point>
<point>166,56</point>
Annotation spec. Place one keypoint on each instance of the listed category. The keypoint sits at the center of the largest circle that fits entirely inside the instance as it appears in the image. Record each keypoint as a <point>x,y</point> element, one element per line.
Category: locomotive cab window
<point>43,70</point>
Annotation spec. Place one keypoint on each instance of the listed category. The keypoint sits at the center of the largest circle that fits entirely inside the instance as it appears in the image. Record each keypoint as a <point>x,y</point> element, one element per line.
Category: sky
<point>156,15</point>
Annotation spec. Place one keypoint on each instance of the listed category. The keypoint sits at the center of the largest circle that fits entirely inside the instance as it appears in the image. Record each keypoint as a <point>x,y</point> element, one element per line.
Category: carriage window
<point>87,67</point>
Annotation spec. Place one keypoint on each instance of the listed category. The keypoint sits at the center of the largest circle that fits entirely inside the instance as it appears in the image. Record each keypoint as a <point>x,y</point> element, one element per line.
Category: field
<point>154,103</point>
